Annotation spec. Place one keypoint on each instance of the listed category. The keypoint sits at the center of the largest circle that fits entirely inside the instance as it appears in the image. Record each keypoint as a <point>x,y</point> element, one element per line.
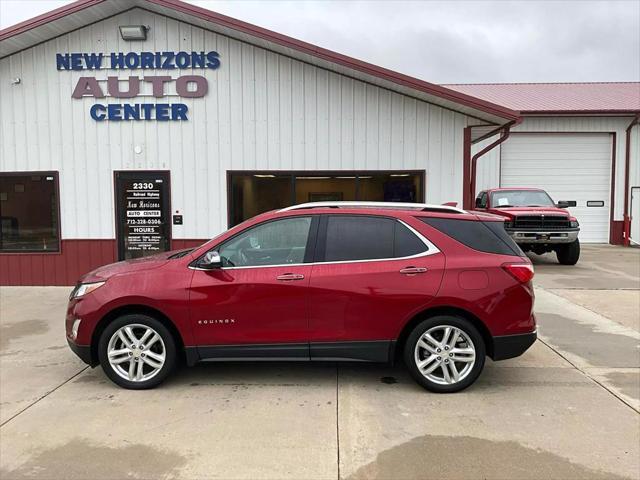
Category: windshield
<point>521,198</point>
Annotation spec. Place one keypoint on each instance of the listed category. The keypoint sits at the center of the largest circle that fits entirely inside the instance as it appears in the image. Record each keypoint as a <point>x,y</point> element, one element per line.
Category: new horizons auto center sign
<point>186,86</point>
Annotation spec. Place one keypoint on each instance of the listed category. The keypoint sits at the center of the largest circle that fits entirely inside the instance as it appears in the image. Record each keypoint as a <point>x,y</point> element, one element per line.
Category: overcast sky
<point>448,42</point>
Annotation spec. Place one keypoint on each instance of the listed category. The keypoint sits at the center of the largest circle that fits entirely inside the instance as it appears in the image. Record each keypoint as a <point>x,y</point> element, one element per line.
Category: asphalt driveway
<point>568,408</point>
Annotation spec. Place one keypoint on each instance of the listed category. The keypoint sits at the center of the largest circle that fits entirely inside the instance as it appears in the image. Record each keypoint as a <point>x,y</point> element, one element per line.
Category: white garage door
<point>569,167</point>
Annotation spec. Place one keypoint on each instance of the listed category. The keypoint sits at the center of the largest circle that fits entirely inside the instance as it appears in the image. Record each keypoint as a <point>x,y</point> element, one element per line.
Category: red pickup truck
<point>534,221</point>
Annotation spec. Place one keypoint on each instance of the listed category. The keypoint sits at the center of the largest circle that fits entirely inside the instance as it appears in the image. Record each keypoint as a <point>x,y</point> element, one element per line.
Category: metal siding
<point>634,159</point>
<point>634,181</point>
<point>263,111</point>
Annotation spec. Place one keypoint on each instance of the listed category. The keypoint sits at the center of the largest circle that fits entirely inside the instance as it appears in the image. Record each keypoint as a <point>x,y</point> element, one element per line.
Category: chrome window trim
<point>431,250</point>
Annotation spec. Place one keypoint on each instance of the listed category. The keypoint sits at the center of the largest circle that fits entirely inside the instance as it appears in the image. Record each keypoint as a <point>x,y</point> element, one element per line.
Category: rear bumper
<point>547,236</point>
<point>82,351</point>
<point>510,346</point>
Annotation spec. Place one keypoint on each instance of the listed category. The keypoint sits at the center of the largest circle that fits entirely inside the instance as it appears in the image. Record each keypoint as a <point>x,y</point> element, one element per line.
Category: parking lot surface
<point>567,409</point>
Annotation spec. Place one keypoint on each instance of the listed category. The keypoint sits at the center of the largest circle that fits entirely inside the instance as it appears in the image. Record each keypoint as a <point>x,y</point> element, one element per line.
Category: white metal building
<point>578,141</point>
<point>114,148</point>
<point>132,127</point>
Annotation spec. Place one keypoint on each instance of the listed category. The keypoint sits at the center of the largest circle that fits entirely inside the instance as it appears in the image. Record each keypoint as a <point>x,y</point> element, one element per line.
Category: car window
<point>369,238</point>
<point>487,237</point>
<point>358,238</point>
<point>279,242</point>
<point>406,243</point>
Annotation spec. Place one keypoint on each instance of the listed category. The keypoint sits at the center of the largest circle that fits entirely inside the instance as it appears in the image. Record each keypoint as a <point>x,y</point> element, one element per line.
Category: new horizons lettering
<point>134,60</point>
<point>186,86</point>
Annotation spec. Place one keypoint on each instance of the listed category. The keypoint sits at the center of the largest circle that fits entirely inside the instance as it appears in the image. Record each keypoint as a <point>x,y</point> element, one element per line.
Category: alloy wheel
<point>136,352</point>
<point>445,355</point>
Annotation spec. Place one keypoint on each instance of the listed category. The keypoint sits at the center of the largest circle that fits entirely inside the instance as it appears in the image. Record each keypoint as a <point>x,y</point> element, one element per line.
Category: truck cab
<point>534,221</point>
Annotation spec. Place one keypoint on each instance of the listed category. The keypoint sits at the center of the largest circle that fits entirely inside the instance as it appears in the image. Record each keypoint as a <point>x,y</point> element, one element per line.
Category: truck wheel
<point>568,254</point>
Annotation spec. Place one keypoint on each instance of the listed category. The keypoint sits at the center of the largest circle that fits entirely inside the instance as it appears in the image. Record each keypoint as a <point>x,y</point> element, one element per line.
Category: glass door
<point>142,213</point>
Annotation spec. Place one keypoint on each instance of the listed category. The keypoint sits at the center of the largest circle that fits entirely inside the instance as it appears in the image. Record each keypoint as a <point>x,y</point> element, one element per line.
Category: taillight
<point>523,272</point>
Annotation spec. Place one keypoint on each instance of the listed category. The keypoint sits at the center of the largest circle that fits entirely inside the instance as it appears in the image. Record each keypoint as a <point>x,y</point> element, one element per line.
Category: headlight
<point>574,224</point>
<point>84,288</point>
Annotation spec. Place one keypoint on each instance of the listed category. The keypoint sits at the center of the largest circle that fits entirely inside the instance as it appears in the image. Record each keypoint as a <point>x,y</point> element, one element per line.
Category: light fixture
<point>16,81</point>
<point>346,178</point>
<point>399,175</point>
<point>264,176</point>
<point>313,178</point>
<point>133,32</point>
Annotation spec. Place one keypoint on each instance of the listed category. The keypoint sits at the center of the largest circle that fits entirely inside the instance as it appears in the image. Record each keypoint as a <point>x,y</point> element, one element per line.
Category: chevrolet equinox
<point>436,286</point>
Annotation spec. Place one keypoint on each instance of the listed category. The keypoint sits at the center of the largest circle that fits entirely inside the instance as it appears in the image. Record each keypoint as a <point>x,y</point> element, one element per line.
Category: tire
<point>568,254</point>
<point>157,358</point>
<point>469,367</point>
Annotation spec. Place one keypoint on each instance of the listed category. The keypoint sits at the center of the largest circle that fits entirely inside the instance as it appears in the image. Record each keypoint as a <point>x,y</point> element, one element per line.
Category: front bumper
<point>510,346</point>
<point>82,351</point>
<point>547,236</point>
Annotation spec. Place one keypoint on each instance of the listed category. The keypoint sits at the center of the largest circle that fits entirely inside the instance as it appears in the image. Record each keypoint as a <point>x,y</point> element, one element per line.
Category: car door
<point>371,275</point>
<point>256,304</point>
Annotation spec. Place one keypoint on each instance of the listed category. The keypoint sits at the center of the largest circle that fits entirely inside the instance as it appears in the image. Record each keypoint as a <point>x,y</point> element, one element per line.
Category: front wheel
<point>137,351</point>
<point>569,253</point>
<point>445,354</point>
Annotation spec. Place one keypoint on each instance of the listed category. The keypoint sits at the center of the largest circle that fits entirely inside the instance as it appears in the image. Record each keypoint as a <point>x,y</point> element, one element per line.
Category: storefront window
<point>29,212</point>
<point>258,192</point>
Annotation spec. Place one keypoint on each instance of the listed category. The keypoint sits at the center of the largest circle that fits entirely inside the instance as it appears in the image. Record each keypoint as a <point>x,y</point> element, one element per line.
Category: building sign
<point>185,86</point>
<point>142,213</point>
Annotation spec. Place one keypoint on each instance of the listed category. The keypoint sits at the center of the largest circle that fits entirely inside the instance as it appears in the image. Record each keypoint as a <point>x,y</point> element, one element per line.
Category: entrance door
<point>142,213</point>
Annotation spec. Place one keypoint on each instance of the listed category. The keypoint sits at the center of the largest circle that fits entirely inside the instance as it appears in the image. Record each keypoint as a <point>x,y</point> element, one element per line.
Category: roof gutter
<point>627,165</point>
<point>505,131</point>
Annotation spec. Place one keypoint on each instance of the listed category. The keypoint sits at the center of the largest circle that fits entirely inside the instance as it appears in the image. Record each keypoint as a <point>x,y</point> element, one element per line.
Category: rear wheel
<point>137,351</point>
<point>445,354</point>
<point>569,253</point>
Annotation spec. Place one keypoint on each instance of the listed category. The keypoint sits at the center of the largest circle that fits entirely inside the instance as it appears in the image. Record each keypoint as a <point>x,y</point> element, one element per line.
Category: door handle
<point>287,277</point>
<point>413,270</point>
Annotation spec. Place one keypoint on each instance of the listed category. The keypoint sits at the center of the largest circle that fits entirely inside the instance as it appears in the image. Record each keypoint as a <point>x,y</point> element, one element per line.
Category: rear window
<point>358,238</point>
<point>405,242</point>
<point>489,237</point>
<point>351,238</point>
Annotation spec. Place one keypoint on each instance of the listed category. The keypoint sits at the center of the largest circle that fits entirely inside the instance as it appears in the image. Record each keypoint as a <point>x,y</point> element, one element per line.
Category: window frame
<point>319,258</point>
<point>56,181</point>
<point>422,178</point>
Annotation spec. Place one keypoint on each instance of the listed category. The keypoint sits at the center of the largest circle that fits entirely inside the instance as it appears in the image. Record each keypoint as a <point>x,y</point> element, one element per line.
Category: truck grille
<point>541,221</point>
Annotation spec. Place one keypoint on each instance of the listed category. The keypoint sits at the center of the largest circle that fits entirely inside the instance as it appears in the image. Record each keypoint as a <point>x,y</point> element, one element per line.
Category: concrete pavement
<point>568,408</point>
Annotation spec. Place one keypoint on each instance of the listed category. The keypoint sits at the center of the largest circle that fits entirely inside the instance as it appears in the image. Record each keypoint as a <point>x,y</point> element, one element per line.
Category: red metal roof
<point>30,32</point>
<point>612,97</point>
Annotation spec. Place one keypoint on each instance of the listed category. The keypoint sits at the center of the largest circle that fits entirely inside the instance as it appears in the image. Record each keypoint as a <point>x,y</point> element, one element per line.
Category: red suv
<point>337,281</point>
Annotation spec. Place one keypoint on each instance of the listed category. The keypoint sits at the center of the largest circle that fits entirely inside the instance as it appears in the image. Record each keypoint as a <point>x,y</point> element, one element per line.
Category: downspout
<point>627,164</point>
<point>505,132</point>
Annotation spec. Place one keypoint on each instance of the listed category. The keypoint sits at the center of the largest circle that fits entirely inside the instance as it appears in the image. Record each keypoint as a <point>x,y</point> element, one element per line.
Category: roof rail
<point>425,207</point>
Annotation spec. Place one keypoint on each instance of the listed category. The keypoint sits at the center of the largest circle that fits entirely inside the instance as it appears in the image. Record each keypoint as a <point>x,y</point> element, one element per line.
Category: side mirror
<point>566,203</point>
<point>210,261</point>
<point>479,203</point>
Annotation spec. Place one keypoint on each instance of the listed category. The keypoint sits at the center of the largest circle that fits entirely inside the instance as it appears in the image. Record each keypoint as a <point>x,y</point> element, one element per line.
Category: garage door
<point>569,167</point>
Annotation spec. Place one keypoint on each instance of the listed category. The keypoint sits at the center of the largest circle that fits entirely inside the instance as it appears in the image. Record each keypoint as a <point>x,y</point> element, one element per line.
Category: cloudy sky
<point>449,42</point>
